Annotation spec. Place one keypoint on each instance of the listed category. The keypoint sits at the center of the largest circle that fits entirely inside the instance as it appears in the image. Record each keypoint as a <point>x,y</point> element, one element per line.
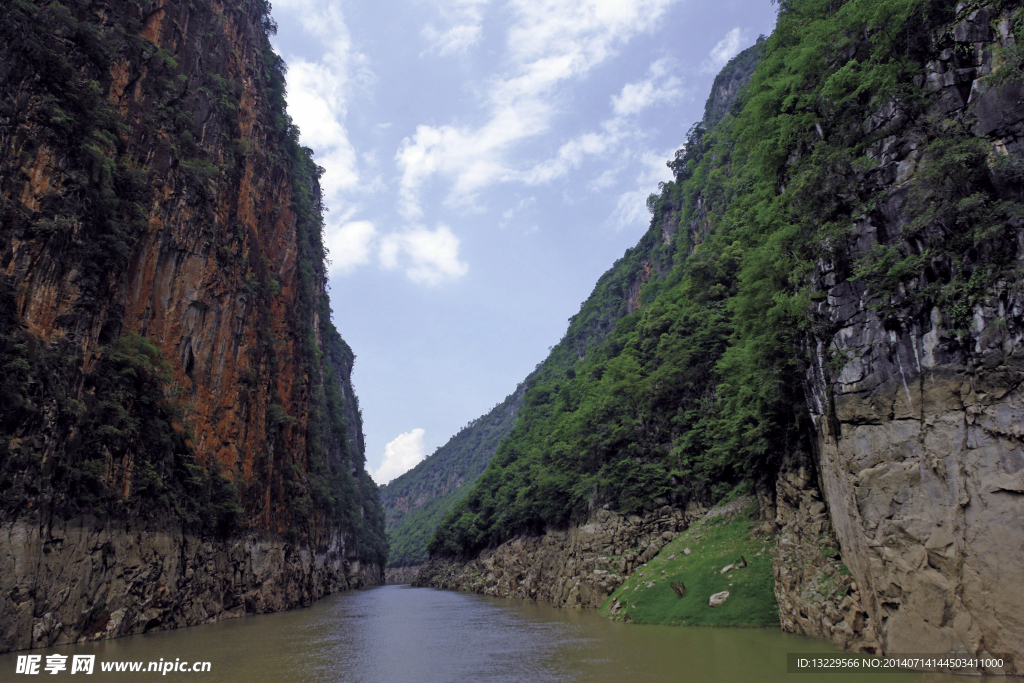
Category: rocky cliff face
<point>816,593</point>
<point>919,433</point>
<point>85,580</point>
<point>170,362</point>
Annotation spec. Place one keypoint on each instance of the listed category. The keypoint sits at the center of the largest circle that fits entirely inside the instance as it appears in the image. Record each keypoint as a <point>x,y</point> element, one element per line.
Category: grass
<point>647,596</point>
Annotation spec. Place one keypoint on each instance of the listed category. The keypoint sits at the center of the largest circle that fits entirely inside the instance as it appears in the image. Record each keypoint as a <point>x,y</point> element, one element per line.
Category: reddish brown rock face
<point>148,185</point>
<point>165,341</point>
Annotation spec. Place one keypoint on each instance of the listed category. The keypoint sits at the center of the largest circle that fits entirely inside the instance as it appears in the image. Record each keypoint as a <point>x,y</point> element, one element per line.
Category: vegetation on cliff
<point>698,394</point>
<point>106,120</point>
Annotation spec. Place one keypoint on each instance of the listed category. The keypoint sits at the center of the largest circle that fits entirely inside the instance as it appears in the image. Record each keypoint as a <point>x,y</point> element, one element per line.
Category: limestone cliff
<point>180,439</point>
<point>919,425</point>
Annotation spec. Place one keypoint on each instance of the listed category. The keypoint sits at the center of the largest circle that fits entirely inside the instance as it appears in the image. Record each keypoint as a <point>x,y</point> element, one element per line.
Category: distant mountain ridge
<point>417,501</point>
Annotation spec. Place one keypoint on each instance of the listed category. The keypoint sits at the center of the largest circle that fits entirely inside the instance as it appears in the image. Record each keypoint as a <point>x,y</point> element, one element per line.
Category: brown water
<point>399,634</point>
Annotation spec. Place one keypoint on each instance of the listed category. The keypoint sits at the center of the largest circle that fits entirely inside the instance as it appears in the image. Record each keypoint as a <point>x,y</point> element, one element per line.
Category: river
<point>399,634</point>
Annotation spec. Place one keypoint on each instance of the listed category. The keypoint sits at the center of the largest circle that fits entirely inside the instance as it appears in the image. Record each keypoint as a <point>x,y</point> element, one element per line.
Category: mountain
<point>179,437</point>
<point>415,502</point>
<point>832,326</point>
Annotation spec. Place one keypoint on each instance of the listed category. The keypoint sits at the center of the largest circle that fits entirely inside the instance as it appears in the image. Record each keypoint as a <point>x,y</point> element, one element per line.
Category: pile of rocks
<point>579,567</point>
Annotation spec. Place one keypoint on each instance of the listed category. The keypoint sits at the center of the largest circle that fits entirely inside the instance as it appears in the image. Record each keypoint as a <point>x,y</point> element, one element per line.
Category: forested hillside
<point>416,502</point>
<point>699,393</point>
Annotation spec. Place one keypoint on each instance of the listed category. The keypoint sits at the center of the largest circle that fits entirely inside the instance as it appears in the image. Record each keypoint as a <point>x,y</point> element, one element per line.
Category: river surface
<point>399,634</point>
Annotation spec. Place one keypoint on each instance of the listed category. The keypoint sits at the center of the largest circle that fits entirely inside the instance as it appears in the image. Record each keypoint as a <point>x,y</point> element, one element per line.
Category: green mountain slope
<point>698,393</point>
<point>416,502</point>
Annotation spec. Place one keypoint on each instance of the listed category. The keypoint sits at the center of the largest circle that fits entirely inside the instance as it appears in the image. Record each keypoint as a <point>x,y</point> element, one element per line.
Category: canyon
<point>823,324</point>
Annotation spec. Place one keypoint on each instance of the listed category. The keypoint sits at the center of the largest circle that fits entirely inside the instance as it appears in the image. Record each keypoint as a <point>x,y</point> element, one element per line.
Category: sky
<point>486,161</point>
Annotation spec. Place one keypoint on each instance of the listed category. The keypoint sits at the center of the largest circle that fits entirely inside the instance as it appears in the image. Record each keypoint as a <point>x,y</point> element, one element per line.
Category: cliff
<point>833,327</point>
<point>576,567</point>
<point>918,421</point>
<point>180,439</point>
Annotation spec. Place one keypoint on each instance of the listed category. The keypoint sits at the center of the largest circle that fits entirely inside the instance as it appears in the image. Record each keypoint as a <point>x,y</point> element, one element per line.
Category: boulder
<point>718,598</point>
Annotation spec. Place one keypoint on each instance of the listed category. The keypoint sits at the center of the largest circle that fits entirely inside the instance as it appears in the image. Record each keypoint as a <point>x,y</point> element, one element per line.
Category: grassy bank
<point>715,542</point>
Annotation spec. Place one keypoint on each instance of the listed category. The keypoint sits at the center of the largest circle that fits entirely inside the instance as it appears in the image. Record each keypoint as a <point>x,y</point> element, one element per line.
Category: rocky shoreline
<point>578,567</point>
<point>82,580</point>
<point>396,575</point>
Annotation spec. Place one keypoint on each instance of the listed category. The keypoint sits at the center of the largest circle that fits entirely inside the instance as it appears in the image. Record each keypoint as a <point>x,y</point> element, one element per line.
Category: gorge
<point>801,388</point>
<point>822,316</point>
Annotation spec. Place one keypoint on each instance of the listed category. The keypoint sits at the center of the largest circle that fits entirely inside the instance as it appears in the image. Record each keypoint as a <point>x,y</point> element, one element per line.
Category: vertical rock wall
<point>216,227</point>
<point>152,187</point>
<point>919,448</point>
<point>816,593</point>
<point>922,474</point>
<point>88,580</point>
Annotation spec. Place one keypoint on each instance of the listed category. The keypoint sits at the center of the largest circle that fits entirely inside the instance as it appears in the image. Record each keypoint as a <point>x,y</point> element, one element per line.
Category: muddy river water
<point>398,634</point>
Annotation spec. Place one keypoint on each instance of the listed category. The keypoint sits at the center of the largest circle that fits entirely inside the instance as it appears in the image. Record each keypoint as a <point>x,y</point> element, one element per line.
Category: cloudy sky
<point>486,161</point>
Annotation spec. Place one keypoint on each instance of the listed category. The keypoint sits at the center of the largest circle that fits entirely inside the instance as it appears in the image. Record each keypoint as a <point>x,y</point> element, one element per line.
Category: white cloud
<point>525,205</point>
<point>726,49</point>
<point>464,20</point>
<point>429,257</point>
<point>659,87</point>
<point>631,208</point>
<point>319,93</point>
<point>571,154</point>
<point>606,179</point>
<point>458,38</point>
<point>349,245</point>
<point>401,454</point>
<point>584,29</point>
<point>549,43</point>
<point>317,105</point>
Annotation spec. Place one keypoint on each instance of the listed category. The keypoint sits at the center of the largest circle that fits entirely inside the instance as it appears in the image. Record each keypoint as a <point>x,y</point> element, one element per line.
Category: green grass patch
<point>647,596</point>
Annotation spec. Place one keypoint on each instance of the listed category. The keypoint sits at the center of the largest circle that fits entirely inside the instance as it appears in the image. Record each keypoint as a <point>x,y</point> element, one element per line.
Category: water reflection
<point>399,634</point>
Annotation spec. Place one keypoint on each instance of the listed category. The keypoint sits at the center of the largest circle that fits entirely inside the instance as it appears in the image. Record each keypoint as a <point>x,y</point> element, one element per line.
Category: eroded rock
<point>111,580</point>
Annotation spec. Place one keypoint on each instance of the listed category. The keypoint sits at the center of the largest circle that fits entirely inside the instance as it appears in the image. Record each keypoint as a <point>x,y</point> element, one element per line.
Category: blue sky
<point>486,161</point>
